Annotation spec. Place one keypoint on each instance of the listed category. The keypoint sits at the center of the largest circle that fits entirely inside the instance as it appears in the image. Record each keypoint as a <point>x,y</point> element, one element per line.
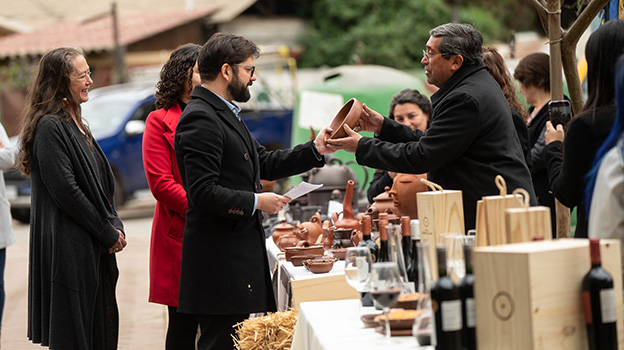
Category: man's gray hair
<point>460,39</point>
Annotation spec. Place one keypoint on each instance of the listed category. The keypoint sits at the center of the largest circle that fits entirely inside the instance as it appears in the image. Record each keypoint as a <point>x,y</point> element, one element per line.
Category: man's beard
<point>238,90</point>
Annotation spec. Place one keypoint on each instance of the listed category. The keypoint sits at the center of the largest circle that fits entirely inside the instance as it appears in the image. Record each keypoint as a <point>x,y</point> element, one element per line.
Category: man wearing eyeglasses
<point>471,138</point>
<point>225,274</point>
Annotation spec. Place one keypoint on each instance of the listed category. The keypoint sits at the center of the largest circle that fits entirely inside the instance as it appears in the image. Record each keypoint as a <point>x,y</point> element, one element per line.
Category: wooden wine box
<point>528,295</point>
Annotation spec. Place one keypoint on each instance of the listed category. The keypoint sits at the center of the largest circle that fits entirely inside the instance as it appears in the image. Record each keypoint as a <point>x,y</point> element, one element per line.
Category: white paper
<point>301,189</point>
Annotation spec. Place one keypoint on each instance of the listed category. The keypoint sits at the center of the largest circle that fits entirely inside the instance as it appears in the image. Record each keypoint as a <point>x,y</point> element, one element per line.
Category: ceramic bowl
<point>297,260</point>
<point>339,253</point>
<point>349,114</point>
<point>319,265</point>
<point>312,250</point>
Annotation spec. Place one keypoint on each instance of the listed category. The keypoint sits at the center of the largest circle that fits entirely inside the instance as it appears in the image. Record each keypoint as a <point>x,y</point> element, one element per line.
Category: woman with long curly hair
<point>177,79</point>
<point>74,230</point>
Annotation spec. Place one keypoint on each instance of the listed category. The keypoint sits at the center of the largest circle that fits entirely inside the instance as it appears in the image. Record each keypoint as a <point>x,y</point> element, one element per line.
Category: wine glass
<point>385,287</point>
<point>358,261</point>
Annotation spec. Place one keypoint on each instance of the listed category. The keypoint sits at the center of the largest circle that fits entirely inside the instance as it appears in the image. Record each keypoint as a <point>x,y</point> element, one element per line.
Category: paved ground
<point>142,324</point>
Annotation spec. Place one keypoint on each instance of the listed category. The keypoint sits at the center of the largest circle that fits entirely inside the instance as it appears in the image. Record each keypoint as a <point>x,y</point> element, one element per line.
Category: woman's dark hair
<point>603,48</point>
<point>534,70</point>
<point>410,96</point>
<point>49,93</point>
<point>175,75</point>
<point>495,64</point>
<point>223,48</point>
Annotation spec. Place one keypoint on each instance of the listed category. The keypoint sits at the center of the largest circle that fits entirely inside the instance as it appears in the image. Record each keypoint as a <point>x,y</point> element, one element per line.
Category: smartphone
<point>560,112</point>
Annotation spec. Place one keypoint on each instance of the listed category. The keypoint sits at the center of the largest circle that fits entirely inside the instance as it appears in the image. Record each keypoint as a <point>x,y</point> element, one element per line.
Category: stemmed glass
<point>385,287</point>
<point>358,261</point>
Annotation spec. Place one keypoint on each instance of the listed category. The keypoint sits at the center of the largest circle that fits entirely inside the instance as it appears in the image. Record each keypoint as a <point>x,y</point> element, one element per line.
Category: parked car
<point>116,116</point>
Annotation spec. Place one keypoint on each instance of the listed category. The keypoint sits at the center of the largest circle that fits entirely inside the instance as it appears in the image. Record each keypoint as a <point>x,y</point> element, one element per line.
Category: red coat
<point>164,181</point>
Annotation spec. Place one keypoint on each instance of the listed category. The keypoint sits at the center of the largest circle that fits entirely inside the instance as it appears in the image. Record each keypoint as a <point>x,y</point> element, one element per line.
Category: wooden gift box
<point>528,295</point>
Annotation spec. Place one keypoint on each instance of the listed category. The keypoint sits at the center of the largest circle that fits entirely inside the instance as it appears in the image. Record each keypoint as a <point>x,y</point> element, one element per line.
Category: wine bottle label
<point>451,315</point>
<point>471,316</point>
<point>362,268</point>
<point>607,305</point>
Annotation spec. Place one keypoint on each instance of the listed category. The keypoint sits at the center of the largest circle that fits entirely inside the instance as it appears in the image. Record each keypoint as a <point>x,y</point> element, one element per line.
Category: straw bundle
<point>271,332</point>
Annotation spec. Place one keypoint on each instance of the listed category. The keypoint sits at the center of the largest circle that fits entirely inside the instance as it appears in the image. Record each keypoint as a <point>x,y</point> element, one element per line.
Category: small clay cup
<point>349,114</point>
<point>312,250</point>
<point>339,253</point>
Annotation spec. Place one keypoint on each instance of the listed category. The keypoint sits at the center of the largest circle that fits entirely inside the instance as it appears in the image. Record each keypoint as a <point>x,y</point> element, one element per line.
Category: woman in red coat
<point>177,79</point>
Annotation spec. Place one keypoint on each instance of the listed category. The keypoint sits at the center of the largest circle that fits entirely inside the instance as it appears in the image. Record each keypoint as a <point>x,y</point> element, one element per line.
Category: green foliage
<point>17,73</point>
<point>391,32</point>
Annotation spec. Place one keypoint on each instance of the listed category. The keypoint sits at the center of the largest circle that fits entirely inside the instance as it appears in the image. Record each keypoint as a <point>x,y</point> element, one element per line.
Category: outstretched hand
<point>370,120</point>
<point>320,142</point>
<point>348,143</point>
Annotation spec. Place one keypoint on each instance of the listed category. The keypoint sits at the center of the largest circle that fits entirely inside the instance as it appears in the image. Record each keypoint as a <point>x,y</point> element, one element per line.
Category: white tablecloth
<point>336,325</point>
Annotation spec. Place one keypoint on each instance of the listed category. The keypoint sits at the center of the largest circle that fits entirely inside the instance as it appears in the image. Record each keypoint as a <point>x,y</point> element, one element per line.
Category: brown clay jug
<point>310,231</point>
<point>403,193</point>
<point>382,203</point>
<point>356,237</point>
<point>281,229</point>
<point>328,234</point>
<point>348,219</point>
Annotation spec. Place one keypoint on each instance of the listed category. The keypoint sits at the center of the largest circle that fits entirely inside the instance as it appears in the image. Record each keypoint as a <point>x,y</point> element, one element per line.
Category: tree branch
<point>583,21</point>
<point>540,8</point>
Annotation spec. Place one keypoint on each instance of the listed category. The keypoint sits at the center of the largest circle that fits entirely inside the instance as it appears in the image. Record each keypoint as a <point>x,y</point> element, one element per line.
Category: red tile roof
<point>96,34</point>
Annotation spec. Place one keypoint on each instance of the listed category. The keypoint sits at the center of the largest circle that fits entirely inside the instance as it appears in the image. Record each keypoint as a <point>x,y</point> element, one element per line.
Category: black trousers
<point>217,331</point>
<point>181,331</point>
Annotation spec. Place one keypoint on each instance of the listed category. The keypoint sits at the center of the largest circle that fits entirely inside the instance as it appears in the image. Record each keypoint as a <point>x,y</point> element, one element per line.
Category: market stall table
<point>336,325</point>
<point>294,284</point>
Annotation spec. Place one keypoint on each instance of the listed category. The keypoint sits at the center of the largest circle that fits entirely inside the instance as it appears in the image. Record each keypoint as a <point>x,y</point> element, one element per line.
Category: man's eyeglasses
<point>428,55</point>
<point>248,66</point>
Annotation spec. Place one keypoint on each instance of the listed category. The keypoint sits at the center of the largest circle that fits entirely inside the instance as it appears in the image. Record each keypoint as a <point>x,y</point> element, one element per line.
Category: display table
<point>295,284</point>
<point>336,325</point>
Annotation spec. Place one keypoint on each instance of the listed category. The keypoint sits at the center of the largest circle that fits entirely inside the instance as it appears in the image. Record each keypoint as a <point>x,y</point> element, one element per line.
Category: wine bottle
<point>383,253</point>
<point>366,237</point>
<point>446,306</point>
<point>599,303</point>
<point>466,293</point>
<point>406,242</point>
<point>412,269</point>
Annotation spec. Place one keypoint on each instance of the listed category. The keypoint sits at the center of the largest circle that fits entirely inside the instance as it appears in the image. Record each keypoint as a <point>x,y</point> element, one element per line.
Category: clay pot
<point>356,237</point>
<point>328,234</point>
<point>280,230</point>
<point>349,114</point>
<point>298,259</point>
<point>310,231</point>
<point>287,241</point>
<point>319,265</point>
<point>296,251</point>
<point>382,203</point>
<point>403,193</point>
<point>348,220</point>
<point>339,253</point>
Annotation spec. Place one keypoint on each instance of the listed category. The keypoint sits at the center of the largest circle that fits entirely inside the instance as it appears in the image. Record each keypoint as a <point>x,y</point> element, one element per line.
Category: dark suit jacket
<point>224,262</point>
<point>471,140</point>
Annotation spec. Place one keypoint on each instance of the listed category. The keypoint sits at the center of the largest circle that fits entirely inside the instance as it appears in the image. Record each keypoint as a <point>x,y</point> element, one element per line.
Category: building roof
<point>96,34</point>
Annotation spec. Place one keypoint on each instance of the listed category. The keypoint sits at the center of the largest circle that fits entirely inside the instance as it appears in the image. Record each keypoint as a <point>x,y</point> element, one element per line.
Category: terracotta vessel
<point>296,251</point>
<point>310,231</point>
<point>349,115</point>
<point>319,265</point>
<point>297,260</point>
<point>339,253</point>
<point>286,241</point>
<point>281,229</point>
<point>348,219</point>
<point>403,193</point>
<point>382,203</point>
<point>328,234</point>
<point>356,237</point>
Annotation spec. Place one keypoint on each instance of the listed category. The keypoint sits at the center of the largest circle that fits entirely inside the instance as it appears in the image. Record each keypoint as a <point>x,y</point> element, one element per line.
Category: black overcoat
<point>72,222</point>
<point>471,140</point>
<point>224,260</point>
